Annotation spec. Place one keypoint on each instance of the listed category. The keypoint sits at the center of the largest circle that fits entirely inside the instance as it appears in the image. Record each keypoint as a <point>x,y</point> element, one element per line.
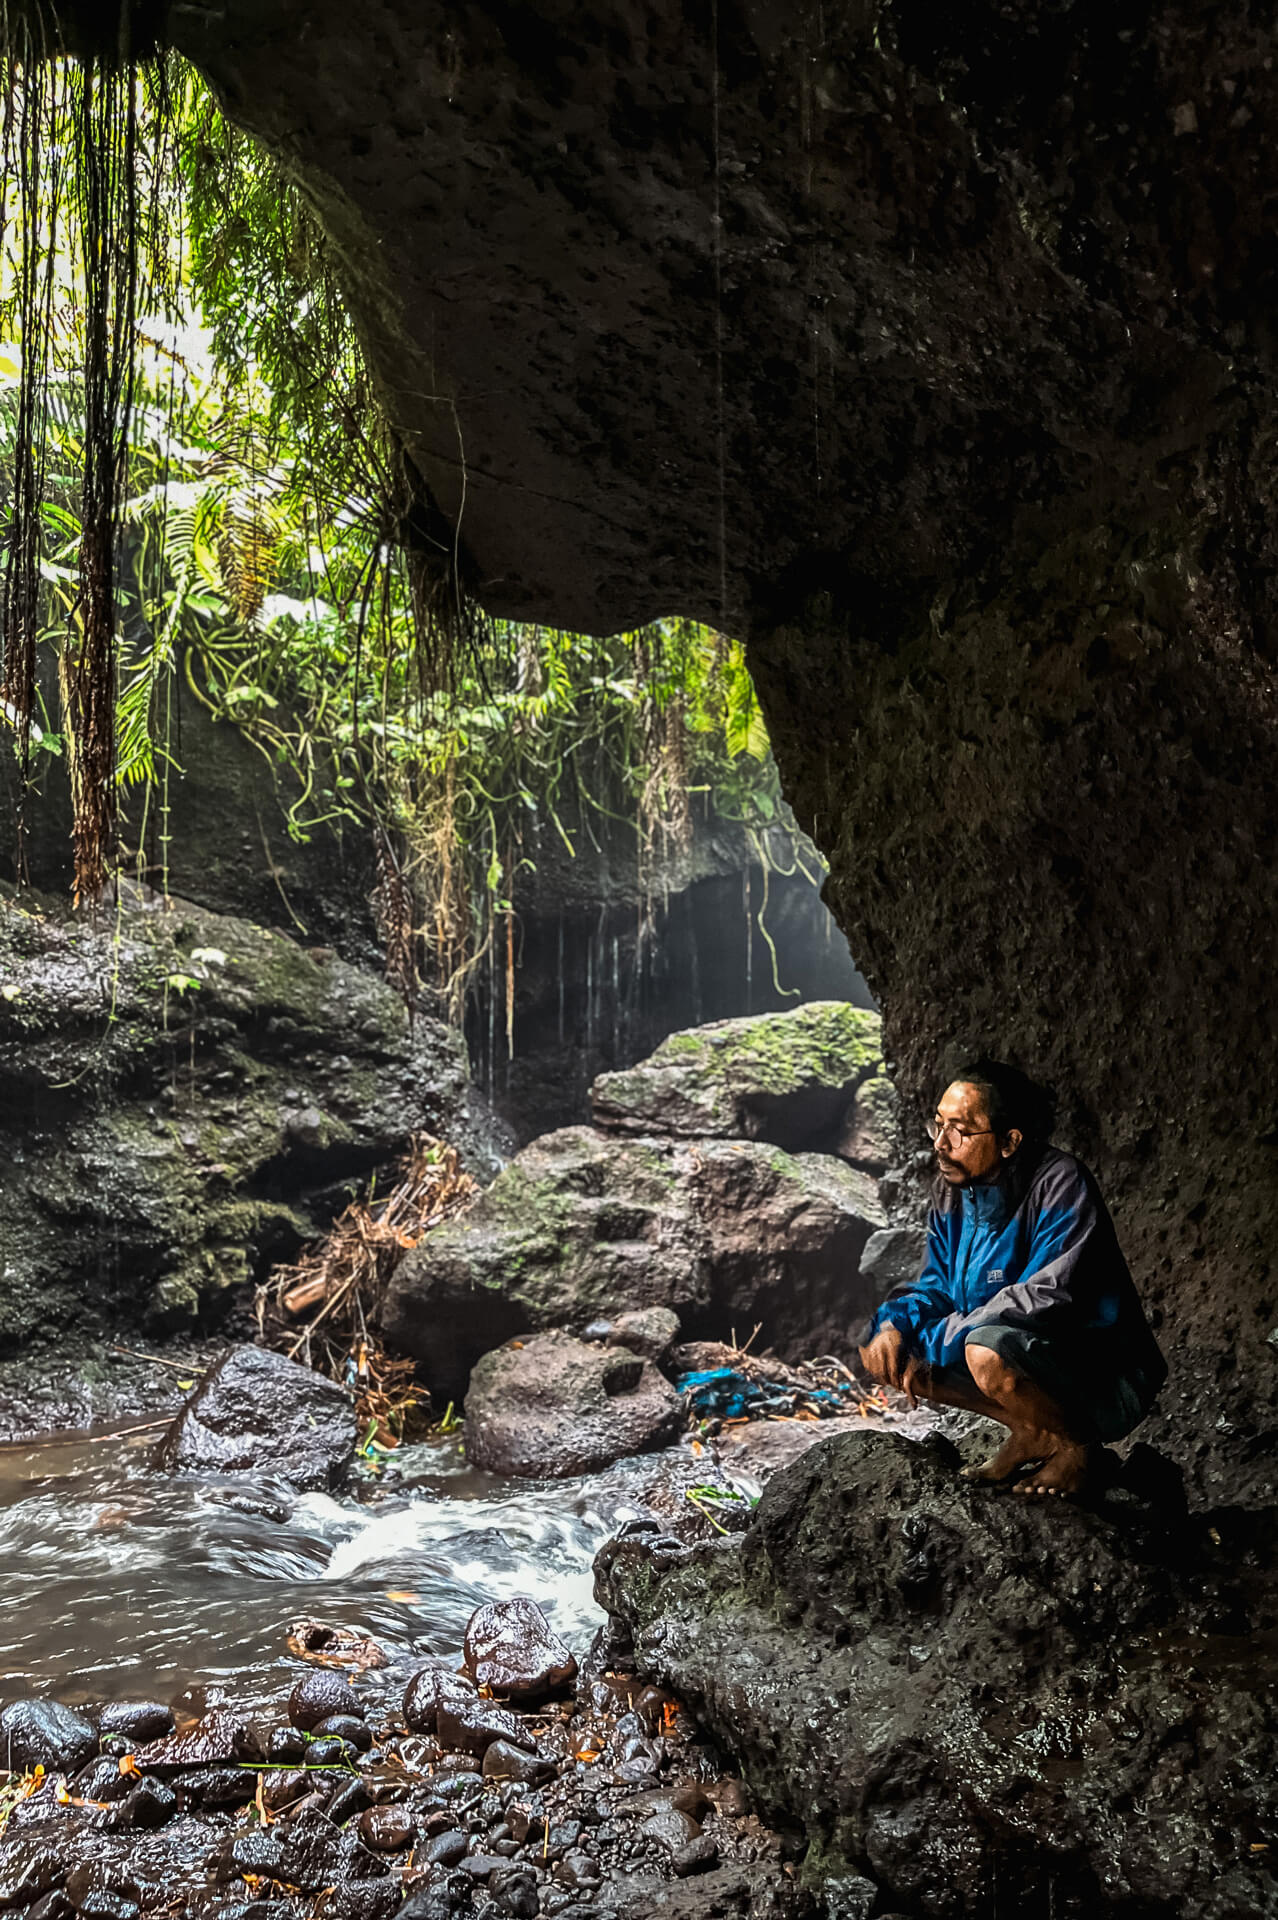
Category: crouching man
<point>1025,1310</point>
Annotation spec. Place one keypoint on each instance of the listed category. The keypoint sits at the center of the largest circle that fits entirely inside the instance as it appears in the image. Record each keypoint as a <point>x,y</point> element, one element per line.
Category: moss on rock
<point>179,1094</point>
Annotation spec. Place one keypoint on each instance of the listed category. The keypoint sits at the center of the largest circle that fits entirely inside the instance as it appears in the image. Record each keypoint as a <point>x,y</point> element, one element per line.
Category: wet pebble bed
<point>165,1644</point>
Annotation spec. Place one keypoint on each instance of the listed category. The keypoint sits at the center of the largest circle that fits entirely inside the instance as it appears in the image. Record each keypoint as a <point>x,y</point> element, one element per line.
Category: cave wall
<point>933,351</point>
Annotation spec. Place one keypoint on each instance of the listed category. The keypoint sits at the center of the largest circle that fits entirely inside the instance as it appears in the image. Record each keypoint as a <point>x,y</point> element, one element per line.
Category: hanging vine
<point>199,481</point>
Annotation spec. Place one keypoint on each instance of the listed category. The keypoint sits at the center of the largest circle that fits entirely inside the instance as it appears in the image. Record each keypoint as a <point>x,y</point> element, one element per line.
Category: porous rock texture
<point>582,1226</point>
<point>182,1097</point>
<point>553,1406</point>
<point>931,350</point>
<point>986,1707</point>
<point>789,1078</point>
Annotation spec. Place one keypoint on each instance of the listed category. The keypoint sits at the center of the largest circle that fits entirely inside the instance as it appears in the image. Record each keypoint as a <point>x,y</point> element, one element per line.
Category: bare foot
<point>1061,1475</point>
<point>1020,1447</point>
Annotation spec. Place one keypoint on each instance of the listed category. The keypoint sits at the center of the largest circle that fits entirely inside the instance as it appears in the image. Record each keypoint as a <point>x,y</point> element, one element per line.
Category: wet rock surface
<point>788,1078</point>
<point>553,1406</point>
<point>511,1651</point>
<point>180,1095</point>
<point>260,1412</point>
<point>947,1686</point>
<point>602,1805</point>
<point>584,1227</point>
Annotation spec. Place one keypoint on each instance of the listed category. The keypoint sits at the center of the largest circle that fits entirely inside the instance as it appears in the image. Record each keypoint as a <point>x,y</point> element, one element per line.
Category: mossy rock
<point>585,1226</point>
<point>180,1094</point>
<point>784,1077</point>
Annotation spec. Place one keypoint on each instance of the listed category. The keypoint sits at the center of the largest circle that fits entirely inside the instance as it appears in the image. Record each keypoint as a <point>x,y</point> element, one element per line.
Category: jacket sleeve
<point>922,1302</point>
<point>1064,1245</point>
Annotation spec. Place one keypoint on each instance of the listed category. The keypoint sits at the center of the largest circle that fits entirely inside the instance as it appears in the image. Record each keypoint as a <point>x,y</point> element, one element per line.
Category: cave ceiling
<point>677,306</point>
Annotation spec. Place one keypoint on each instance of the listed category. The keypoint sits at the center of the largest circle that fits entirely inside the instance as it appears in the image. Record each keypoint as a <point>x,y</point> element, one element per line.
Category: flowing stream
<point>117,1581</point>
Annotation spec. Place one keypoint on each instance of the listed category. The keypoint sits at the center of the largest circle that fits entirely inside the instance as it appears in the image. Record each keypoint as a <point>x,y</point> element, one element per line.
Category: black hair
<point>1011,1099</point>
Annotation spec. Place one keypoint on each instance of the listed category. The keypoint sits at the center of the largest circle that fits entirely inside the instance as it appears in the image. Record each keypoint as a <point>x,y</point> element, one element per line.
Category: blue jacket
<point>1048,1262</point>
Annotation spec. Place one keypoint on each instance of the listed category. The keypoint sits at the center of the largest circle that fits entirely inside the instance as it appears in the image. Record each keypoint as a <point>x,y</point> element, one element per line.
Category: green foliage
<point>270,550</point>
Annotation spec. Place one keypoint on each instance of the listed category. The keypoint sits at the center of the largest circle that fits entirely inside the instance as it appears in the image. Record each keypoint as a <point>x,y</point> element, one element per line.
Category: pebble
<point>504,1760</point>
<point>351,1799</point>
<point>317,1696</point>
<point>386,1829</point>
<point>480,1865</point>
<point>330,1750</point>
<point>670,1828</point>
<point>470,1725</point>
<point>135,1721</point>
<point>151,1804</point>
<point>102,1904</point>
<point>425,1691</point>
<point>346,1726</point>
<point>698,1856</point>
<point>286,1744</point>
<point>445,1849</point>
<point>579,1870</point>
<point>44,1733</point>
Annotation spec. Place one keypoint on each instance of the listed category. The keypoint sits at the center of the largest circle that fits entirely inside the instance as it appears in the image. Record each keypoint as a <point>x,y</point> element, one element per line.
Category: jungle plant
<point>199,480</point>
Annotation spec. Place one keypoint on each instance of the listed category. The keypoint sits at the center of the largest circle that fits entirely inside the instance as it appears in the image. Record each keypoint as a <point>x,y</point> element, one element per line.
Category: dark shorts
<point>1099,1402</point>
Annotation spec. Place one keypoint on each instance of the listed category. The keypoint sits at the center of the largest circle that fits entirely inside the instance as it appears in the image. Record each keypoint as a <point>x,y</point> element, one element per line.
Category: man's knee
<point>993,1376</point>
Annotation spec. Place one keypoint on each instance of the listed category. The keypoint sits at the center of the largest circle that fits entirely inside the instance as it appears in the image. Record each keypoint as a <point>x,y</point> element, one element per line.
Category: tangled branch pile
<point>336,1289</point>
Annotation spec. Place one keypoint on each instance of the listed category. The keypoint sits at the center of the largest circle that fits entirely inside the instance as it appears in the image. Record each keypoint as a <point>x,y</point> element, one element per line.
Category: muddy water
<point>116,1581</point>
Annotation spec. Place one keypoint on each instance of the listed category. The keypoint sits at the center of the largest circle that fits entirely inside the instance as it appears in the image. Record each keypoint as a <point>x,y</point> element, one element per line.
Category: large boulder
<point>582,1226</point>
<point>967,1697</point>
<point>182,1097</point>
<point>260,1413</point>
<point>784,1077</point>
<point>554,1406</point>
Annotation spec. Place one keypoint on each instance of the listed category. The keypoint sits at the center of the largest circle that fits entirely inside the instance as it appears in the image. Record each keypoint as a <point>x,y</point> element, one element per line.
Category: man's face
<point>969,1149</point>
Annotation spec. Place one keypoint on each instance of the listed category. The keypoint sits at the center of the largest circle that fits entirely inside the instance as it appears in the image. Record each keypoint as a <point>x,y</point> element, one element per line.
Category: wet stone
<point>480,1865</point>
<point>328,1751</point>
<point>579,1870</point>
<point>285,1788</point>
<point>346,1727</point>
<point>257,1409</point>
<point>102,1904</point>
<point>507,1762</point>
<point>136,1722</point>
<point>468,1724</point>
<point>348,1802</point>
<point>363,1900</point>
<point>424,1693</point>
<point>445,1849</point>
<point>319,1696</point>
<point>217,1787</point>
<point>514,1892</point>
<point>670,1828</point>
<point>29,1866</point>
<point>387,1829</point>
<point>53,1905</point>
<point>102,1780</point>
<point>285,1744</point>
<point>698,1856</point>
<point>216,1739</point>
<point>511,1649</point>
<point>44,1733</point>
<point>430,1902</point>
<point>152,1803</point>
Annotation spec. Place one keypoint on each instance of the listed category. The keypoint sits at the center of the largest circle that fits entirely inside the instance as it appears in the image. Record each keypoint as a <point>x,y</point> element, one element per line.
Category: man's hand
<point>885,1358</point>
<point>914,1379</point>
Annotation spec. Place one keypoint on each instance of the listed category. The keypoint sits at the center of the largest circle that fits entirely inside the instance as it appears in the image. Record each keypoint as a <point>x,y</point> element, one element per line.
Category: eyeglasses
<point>937,1130</point>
